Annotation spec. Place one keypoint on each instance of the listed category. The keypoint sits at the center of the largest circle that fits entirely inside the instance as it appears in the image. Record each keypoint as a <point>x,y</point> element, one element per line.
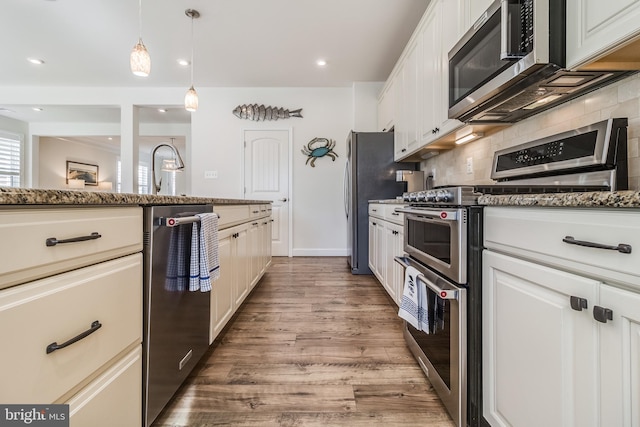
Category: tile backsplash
<point>621,99</point>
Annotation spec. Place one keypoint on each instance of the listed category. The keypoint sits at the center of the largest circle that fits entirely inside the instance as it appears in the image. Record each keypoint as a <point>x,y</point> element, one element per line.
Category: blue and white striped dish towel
<point>177,275</point>
<point>410,302</point>
<point>205,262</point>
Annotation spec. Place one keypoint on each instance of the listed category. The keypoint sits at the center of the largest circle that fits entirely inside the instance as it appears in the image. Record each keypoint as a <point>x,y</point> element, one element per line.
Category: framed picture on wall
<point>77,170</point>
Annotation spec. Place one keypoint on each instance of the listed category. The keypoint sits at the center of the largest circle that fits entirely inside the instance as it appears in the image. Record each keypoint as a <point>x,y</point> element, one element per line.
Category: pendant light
<point>140,60</point>
<point>191,98</point>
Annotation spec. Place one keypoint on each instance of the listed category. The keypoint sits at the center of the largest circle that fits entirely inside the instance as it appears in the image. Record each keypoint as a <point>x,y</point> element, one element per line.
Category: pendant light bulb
<point>191,98</point>
<point>140,60</point>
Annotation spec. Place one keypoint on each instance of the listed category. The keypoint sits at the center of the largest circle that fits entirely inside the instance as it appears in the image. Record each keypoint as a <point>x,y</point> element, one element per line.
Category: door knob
<point>284,199</point>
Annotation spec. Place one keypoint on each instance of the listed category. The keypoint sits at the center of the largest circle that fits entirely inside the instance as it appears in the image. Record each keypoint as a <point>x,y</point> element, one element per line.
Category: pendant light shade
<point>140,61</point>
<point>191,98</point>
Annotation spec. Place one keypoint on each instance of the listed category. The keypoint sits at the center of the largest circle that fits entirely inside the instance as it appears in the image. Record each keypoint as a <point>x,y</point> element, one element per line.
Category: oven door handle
<point>451,294</point>
<point>440,214</point>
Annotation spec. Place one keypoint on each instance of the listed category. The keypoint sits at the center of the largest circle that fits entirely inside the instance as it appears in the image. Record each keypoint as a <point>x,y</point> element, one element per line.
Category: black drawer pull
<point>52,241</point>
<point>578,303</point>
<point>622,247</point>
<point>602,314</point>
<point>55,346</point>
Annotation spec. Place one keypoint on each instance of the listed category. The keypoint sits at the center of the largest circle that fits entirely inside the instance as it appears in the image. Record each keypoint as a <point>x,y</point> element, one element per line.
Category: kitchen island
<point>72,294</point>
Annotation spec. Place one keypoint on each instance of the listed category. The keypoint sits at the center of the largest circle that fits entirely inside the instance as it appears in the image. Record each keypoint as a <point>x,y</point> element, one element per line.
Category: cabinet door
<point>380,251</point>
<point>411,95</point>
<point>254,252</point>
<point>431,89</point>
<point>620,358</point>
<point>400,134</point>
<point>390,231</point>
<point>595,26</point>
<point>242,265</point>
<point>394,277</point>
<point>222,289</point>
<point>385,108</point>
<point>113,399</point>
<point>372,244</point>
<point>539,364</point>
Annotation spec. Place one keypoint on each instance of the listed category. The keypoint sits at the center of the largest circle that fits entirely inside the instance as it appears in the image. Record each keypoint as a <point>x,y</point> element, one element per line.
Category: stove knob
<point>431,196</point>
<point>422,196</point>
<point>444,196</point>
<point>406,197</point>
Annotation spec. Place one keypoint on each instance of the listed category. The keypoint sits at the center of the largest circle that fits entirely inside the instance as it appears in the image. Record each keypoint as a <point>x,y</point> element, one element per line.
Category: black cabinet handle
<point>403,150</point>
<point>602,314</point>
<point>55,346</point>
<point>52,241</point>
<point>578,303</point>
<point>395,213</point>
<point>622,247</point>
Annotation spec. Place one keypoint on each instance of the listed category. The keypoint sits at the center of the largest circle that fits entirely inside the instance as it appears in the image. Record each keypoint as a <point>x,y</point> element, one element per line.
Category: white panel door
<point>266,177</point>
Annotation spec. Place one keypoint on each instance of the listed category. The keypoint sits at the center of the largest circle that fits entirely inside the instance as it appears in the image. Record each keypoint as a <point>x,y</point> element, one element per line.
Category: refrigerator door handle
<point>346,185</point>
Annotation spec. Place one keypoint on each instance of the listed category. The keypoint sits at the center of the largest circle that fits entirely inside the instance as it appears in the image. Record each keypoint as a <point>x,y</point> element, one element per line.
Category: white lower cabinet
<point>106,402</point>
<point>538,353</point>
<point>561,328</point>
<point>386,241</point>
<point>245,253</point>
<point>71,311</point>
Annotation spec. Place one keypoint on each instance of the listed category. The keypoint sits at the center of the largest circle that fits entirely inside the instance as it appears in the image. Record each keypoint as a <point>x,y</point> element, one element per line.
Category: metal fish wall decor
<point>260,112</point>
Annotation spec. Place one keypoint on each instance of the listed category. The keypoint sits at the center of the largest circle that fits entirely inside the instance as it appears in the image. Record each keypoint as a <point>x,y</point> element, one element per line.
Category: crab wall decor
<point>315,150</point>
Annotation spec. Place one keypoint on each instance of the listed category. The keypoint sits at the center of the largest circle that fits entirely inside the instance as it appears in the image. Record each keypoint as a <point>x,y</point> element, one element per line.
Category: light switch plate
<point>469,165</point>
<point>210,174</point>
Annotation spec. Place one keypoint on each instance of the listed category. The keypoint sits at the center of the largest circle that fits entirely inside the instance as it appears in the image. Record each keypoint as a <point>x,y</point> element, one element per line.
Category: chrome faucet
<point>177,164</point>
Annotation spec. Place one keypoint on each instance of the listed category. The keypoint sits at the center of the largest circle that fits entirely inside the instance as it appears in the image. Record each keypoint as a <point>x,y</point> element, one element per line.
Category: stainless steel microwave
<point>510,64</point>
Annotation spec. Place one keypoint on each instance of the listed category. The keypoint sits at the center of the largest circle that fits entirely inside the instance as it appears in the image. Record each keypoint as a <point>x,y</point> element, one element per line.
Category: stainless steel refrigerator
<point>370,174</point>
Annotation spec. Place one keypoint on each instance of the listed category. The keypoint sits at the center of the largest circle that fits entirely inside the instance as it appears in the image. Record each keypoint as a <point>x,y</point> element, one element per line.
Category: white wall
<point>54,154</point>
<point>319,225</point>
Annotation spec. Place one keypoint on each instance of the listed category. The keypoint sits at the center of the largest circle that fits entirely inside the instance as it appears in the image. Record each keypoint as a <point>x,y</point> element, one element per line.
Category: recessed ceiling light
<point>37,108</point>
<point>321,62</point>
<point>162,110</point>
<point>35,61</point>
<point>183,62</point>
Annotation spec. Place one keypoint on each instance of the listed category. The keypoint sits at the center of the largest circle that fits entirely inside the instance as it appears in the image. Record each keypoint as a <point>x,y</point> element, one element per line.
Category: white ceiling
<point>239,43</point>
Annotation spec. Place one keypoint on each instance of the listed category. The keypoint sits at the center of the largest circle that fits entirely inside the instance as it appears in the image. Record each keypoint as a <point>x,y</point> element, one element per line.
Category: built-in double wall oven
<point>444,245</point>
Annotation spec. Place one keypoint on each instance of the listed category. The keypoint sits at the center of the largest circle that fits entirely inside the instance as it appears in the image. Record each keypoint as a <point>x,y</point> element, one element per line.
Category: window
<point>143,178</point>
<point>10,160</point>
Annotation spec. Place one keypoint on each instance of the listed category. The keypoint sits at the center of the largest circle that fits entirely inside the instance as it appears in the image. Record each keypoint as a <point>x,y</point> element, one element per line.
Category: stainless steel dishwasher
<point>176,321</point>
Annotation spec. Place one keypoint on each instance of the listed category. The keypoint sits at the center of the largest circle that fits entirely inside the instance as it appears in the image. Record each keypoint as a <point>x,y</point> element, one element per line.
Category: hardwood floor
<point>313,345</point>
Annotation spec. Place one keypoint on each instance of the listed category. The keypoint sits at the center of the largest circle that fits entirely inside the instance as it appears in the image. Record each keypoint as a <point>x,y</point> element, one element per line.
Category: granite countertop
<point>28,196</point>
<point>595,199</point>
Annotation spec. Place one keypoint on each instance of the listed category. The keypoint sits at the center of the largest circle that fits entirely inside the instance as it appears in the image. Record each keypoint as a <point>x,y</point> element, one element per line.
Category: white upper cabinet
<point>442,29</point>
<point>595,27</point>
<point>385,107</point>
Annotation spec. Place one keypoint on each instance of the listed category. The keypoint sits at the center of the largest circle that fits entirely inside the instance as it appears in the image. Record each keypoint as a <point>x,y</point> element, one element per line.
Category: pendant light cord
<point>140,19</point>
<point>191,50</point>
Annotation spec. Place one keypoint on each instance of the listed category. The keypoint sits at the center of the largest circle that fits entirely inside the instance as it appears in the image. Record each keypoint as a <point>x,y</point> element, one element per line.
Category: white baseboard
<point>320,252</point>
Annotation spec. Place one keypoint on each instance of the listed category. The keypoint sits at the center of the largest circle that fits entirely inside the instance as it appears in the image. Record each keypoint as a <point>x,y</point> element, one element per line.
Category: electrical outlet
<point>469,165</point>
<point>210,174</point>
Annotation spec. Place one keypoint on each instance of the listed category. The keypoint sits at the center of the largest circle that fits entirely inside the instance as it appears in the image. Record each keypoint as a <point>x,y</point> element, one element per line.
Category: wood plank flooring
<point>312,346</point>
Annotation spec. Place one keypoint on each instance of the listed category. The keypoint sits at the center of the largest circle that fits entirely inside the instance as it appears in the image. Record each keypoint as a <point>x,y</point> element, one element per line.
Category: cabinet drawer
<point>391,215</point>
<point>24,234</point>
<point>112,399</point>
<point>232,215</point>
<point>538,233</point>
<point>57,309</point>
<point>376,209</point>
